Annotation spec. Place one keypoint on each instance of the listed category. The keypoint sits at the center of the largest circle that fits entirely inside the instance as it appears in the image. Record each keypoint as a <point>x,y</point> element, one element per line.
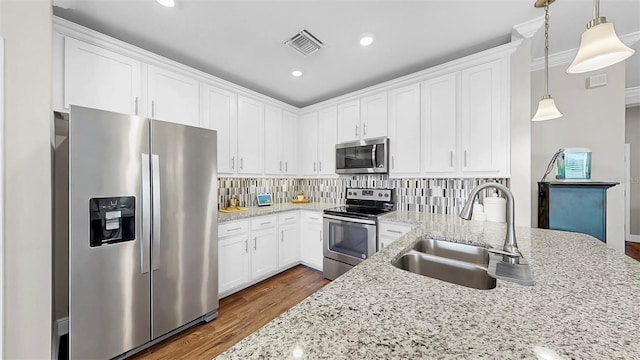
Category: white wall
<point>633,138</point>
<point>26,29</point>
<point>520,182</point>
<point>593,118</point>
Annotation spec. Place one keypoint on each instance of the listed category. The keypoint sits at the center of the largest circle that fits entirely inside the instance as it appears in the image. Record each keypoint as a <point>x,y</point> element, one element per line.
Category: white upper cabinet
<point>327,138</point>
<point>484,127</point>
<point>173,97</point>
<point>439,147</point>
<point>289,144</point>
<point>273,138</point>
<point>308,135</point>
<point>219,113</point>
<point>349,121</point>
<point>373,116</point>
<point>250,136</point>
<point>100,79</point>
<point>404,131</point>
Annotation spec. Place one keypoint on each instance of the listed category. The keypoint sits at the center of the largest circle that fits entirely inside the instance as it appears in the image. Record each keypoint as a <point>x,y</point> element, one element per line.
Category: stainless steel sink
<point>459,264</point>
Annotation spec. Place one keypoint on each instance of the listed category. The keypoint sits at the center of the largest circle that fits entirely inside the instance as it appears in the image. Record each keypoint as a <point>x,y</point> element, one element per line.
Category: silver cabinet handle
<point>320,166</point>
<point>280,166</point>
<point>394,231</point>
<point>234,229</point>
<point>321,237</point>
<point>314,166</point>
<point>286,166</point>
<point>393,162</point>
<point>281,236</point>
<point>153,108</point>
<point>233,162</point>
<point>246,245</point>
<point>255,243</point>
<point>356,130</point>
<point>155,193</point>
<point>312,218</point>
<point>381,245</point>
<point>291,218</point>
<point>451,158</point>
<point>266,223</point>
<point>241,163</point>
<point>465,158</point>
<point>364,129</point>
<point>136,105</point>
<point>145,236</point>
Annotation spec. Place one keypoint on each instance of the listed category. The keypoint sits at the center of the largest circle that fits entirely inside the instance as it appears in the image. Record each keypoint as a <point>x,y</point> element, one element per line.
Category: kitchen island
<point>584,305</point>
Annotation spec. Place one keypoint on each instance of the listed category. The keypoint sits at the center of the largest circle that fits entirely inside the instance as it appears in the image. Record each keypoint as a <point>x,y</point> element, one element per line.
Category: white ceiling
<point>242,41</point>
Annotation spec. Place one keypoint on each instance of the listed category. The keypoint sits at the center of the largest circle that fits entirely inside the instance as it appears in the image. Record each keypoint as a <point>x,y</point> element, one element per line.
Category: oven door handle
<point>349,219</point>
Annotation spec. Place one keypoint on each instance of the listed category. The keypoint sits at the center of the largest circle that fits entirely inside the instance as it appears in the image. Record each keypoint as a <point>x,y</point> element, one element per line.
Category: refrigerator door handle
<point>155,191</point>
<point>145,210</point>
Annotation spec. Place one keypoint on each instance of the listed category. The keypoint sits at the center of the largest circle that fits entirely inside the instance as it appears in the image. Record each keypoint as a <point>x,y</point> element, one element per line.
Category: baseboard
<point>633,238</point>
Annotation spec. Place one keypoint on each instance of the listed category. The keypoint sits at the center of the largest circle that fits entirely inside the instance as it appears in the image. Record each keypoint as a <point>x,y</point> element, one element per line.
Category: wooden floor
<point>632,249</point>
<point>239,315</point>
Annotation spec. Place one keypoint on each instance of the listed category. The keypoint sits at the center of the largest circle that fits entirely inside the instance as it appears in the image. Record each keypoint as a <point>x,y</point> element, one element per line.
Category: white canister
<point>495,208</point>
<point>478,212</point>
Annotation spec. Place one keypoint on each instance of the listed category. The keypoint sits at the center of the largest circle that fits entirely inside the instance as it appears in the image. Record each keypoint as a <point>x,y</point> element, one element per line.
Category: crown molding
<point>567,56</point>
<point>632,96</point>
<point>527,29</point>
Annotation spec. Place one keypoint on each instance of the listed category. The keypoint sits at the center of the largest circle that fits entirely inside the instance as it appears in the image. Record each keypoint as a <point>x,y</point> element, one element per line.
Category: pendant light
<point>599,45</point>
<point>547,109</point>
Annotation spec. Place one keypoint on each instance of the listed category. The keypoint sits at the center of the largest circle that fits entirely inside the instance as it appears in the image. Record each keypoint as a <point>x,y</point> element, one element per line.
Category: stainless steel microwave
<point>363,157</point>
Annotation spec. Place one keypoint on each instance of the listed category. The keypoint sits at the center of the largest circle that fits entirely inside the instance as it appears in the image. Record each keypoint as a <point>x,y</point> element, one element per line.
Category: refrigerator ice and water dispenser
<point>112,220</point>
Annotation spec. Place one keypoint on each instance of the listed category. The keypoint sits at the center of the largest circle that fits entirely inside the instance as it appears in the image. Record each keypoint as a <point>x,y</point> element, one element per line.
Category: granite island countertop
<point>584,305</point>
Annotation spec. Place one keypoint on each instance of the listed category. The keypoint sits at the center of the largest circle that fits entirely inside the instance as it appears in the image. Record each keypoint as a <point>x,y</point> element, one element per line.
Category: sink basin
<point>459,264</point>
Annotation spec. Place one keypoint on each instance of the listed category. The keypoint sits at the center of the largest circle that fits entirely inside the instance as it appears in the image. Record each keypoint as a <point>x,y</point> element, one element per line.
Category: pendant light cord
<point>546,47</point>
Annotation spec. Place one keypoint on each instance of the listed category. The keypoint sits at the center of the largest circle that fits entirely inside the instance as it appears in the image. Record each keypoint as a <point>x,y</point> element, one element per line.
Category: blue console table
<point>574,206</point>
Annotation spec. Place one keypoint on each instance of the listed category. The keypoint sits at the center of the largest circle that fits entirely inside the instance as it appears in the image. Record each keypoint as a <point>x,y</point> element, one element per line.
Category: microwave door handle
<point>373,156</point>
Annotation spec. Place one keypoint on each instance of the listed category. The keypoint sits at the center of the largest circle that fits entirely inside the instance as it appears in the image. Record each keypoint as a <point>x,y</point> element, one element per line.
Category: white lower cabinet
<point>388,233</point>
<point>264,250</point>
<point>311,250</point>
<point>289,239</point>
<point>233,256</point>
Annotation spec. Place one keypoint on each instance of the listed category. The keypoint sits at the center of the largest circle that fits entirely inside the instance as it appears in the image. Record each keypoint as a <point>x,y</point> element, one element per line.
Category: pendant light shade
<point>547,110</point>
<point>599,46</point>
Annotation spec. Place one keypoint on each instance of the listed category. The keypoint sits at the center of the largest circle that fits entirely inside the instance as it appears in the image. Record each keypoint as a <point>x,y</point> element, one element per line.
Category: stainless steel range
<point>350,231</point>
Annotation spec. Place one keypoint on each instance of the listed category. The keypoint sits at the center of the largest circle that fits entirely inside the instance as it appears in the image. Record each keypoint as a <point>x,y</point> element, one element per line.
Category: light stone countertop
<point>273,209</point>
<point>585,305</point>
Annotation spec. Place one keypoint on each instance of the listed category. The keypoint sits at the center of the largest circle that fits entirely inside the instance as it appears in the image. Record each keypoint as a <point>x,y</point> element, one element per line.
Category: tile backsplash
<point>440,196</point>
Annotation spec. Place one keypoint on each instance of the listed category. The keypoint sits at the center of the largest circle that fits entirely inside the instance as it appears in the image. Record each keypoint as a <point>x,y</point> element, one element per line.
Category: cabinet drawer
<point>233,228</point>
<point>264,222</point>
<point>313,217</point>
<point>288,218</point>
<point>393,230</point>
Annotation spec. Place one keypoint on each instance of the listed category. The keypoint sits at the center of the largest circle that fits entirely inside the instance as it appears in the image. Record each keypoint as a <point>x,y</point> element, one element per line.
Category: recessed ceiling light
<point>366,39</point>
<point>296,72</point>
<point>167,3</point>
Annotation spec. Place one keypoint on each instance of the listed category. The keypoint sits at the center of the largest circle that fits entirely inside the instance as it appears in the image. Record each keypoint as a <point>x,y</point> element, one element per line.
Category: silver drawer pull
<point>315,219</point>
<point>234,229</point>
<point>291,218</point>
<point>266,223</point>
<point>394,231</point>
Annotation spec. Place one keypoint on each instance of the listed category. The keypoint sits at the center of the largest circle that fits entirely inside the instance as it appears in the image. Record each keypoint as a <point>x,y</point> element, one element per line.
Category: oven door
<point>349,240</point>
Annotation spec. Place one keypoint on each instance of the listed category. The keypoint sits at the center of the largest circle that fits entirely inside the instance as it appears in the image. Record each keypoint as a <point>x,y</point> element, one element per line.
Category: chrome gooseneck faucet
<point>509,252</point>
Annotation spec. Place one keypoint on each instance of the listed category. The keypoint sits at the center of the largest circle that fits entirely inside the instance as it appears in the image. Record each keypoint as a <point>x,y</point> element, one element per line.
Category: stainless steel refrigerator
<point>142,230</point>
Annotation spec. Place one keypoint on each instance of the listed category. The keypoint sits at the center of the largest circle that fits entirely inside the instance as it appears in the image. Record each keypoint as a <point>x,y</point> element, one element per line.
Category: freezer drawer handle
<point>155,192</point>
<point>145,236</point>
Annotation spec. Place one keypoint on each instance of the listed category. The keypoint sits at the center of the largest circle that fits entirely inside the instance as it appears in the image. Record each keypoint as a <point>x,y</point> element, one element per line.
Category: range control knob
<point>386,195</point>
<point>379,194</point>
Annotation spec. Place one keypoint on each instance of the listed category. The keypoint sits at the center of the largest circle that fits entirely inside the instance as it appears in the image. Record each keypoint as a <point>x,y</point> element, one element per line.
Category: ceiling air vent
<point>304,43</point>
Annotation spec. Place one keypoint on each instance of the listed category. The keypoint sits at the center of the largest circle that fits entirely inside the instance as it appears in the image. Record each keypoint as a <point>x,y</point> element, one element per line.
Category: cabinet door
<point>173,97</point>
<point>308,130</point>
<point>219,113</point>
<point>404,130</point>
<point>273,137</point>
<point>233,262</point>
<point>288,253</point>
<point>100,79</point>
<point>290,144</point>
<point>373,117</point>
<point>439,124</point>
<point>250,136</point>
<point>483,119</point>
<point>327,133</point>
<point>264,253</point>
<point>311,242</point>
<point>349,121</point>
